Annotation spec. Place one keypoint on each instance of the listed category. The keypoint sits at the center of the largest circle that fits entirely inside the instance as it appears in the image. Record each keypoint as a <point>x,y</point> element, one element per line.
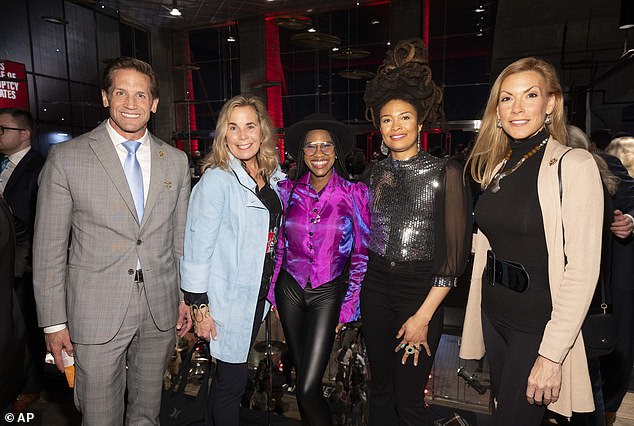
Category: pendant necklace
<point>495,182</point>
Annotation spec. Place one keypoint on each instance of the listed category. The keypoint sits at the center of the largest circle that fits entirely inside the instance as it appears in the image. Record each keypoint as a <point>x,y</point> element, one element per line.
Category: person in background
<point>109,231</point>
<point>12,328</point>
<point>599,140</point>
<point>232,224</point>
<point>616,368</point>
<point>537,255</point>
<point>578,139</point>
<point>322,254</point>
<point>419,238</point>
<point>20,166</point>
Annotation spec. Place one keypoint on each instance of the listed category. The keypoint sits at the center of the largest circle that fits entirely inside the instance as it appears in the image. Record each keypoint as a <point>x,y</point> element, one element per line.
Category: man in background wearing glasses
<point>19,170</point>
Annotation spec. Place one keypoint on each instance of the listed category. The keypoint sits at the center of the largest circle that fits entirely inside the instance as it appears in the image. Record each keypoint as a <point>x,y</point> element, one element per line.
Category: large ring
<point>409,349</point>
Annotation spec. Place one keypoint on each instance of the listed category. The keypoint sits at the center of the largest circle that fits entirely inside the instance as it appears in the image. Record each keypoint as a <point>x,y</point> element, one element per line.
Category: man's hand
<point>57,341</point>
<point>544,382</point>
<point>622,225</point>
<point>184,321</point>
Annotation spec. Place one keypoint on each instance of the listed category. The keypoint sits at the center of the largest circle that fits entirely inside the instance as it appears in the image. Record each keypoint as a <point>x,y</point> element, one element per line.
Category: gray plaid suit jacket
<point>88,239</point>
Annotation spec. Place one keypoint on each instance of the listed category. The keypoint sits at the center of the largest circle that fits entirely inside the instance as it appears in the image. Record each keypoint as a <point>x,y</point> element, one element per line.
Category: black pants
<point>229,382</point>
<point>511,355</point>
<point>389,296</point>
<point>309,317</point>
<point>34,335</point>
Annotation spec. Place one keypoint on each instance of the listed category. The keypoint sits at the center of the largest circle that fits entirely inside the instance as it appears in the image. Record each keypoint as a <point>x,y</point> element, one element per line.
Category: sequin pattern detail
<point>403,207</point>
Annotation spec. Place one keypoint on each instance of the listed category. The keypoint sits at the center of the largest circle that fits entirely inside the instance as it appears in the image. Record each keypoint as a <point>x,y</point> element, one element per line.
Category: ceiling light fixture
<point>175,11</point>
<point>626,20</point>
<point>54,20</point>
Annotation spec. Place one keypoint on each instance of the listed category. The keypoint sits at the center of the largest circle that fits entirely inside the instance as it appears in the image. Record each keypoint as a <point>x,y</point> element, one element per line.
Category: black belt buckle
<point>138,276</point>
<point>511,275</point>
<point>490,269</point>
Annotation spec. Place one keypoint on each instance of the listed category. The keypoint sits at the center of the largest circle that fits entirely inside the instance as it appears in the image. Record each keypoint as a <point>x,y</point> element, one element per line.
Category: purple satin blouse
<point>321,232</point>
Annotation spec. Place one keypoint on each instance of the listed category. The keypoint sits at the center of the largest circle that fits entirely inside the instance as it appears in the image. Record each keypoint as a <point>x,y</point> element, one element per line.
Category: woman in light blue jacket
<point>230,239</point>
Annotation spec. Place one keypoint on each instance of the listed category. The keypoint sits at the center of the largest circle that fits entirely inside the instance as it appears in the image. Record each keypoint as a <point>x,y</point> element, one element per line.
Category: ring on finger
<point>410,350</point>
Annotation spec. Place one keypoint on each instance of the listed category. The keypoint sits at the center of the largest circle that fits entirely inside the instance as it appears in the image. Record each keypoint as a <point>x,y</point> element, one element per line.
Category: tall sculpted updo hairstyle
<point>405,75</point>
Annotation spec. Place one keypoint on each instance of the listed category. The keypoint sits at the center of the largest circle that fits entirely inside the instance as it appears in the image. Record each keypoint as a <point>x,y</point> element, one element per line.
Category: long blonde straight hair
<point>493,143</point>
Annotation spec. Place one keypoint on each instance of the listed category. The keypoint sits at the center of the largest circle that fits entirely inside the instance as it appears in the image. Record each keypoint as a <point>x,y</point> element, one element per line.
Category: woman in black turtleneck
<point>536,255</point>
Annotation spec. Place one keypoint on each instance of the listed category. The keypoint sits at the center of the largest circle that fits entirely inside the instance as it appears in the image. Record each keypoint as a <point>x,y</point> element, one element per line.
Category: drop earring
<point>384,149</point>
<point>548,120</point>
<point>499,124</point>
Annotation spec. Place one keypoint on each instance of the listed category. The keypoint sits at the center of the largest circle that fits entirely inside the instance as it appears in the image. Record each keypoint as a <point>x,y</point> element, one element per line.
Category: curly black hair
<point>405,75</point>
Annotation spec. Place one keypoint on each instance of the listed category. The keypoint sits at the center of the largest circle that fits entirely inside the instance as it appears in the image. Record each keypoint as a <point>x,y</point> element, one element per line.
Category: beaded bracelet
<point>199,312</point>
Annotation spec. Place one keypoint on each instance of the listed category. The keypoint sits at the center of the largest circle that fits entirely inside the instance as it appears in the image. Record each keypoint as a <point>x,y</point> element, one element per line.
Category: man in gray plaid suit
<point>108,235</point>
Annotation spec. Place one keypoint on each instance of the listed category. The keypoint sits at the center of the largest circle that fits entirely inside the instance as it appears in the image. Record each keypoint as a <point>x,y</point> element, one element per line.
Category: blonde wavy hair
<point>623,149</point>
<point>578,139</point>
<point>267,156</point>
<point>493,143</point>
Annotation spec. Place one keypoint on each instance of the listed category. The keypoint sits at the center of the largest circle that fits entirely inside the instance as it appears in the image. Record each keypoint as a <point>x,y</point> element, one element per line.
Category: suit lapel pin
<point>161,154</point>
<point>552,161</point>
<point>168,184</point>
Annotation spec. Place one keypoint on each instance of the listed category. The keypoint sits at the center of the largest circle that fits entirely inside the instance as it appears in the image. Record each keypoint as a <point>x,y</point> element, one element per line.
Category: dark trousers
<point>309,317</point>
<point>34,335</point>
<point>229,382</point>
<point>511,355</point>
<point>389,296</point>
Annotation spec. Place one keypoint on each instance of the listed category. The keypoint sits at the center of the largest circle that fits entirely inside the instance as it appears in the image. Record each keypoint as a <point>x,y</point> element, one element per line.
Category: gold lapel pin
<point>161,154</point>
<point>552,161</point>
<point>168,184</point>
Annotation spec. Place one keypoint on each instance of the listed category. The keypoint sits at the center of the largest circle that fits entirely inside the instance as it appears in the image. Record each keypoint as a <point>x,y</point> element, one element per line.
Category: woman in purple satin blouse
<point>325,233</point>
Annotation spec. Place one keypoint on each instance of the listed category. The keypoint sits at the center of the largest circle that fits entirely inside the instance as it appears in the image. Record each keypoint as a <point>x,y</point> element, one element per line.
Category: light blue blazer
<point>225,242</point>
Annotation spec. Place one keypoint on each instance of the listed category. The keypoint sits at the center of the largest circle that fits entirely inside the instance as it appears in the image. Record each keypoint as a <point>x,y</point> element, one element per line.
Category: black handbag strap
<point>604,305</point>
<point>181,378</point>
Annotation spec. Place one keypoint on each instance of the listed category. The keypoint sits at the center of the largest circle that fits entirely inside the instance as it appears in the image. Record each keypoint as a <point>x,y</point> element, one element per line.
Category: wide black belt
<point>511,275</point>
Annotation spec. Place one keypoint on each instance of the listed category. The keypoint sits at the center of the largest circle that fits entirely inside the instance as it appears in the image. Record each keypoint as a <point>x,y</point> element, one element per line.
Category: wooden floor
<point>625,415</point>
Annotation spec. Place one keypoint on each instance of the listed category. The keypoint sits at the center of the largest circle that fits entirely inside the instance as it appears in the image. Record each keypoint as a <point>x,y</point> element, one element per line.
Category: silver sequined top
<point>409,216</point>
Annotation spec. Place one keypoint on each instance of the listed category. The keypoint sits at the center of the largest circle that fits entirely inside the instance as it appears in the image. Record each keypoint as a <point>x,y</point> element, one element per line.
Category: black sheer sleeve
<point>452,229</point>
<point>195,298</point>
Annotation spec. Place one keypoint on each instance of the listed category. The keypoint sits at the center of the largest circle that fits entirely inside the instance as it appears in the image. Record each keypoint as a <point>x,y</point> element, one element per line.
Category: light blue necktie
<point>4,163</point>
<point>133,173</point>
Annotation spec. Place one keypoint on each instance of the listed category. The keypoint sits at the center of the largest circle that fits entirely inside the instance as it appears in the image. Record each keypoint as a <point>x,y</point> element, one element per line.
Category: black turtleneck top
<point>512,221</point>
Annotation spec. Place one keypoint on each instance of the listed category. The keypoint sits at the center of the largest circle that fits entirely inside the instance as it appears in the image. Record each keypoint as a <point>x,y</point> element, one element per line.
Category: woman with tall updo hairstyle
<point>420,237</point>
<point>537,251</point>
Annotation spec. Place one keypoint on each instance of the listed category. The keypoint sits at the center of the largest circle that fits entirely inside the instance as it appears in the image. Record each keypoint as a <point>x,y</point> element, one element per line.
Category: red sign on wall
<point>14,91</point>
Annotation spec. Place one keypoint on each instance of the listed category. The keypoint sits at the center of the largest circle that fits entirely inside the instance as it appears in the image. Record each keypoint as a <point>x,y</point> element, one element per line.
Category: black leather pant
<point>309,318</point>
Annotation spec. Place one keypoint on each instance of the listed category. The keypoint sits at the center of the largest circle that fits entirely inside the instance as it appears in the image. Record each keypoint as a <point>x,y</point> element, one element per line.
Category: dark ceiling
<point>203,13</point>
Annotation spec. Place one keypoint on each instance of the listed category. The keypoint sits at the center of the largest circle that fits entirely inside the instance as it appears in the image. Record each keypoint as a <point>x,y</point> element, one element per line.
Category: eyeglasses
<point>3,128</point>
<point>326,148</point>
